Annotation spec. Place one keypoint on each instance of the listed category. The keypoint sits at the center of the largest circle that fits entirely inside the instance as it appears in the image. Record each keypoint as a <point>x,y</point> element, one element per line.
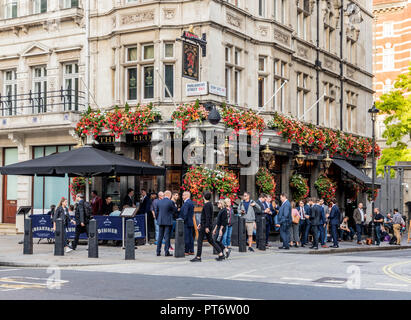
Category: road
<point>372,275</point>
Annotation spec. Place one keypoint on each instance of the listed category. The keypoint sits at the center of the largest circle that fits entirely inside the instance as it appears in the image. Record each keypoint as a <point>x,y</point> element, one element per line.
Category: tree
<point>396,106</point>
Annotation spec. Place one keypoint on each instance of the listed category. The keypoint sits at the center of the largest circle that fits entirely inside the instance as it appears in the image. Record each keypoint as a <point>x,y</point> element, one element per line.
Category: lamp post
<point>373,112</point>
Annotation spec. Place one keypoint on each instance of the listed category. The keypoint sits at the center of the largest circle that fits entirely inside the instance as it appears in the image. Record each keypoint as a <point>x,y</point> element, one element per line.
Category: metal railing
<point>42,102</point>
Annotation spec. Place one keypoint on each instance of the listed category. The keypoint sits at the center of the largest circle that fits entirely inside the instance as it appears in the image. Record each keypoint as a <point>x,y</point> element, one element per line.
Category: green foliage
<point>396,105</point>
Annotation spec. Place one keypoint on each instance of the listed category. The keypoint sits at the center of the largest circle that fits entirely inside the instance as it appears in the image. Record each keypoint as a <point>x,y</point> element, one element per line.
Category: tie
<point>302,213</point>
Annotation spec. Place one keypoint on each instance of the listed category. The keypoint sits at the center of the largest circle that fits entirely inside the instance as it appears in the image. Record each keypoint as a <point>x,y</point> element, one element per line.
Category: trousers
<point>79,230</point>
<point>209,236</point>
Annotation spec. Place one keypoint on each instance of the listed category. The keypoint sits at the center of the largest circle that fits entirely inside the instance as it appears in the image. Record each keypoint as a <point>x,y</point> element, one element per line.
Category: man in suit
<point>187,213</point>
<point>315,221</point>
<point>334,222</point>
<point>326,209</point>
<point>322,226</point>
<point>284,221</point>
<point>128,201</point>
<point>164,215</point>
<point>304,209</point>
<point>144,208</point>
<point>359,218</point>
<point>269,213</point>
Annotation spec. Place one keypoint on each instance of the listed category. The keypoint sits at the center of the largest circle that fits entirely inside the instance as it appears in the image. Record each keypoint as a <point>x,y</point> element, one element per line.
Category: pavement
<point>11,253</point>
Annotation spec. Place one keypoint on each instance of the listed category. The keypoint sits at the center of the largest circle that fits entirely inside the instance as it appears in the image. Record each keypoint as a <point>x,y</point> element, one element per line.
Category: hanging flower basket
<point>266,181</point>
<point>371,196</point>
<point>199,179</point>
<point>77,185</point>
<point>189,113</point>
<point>326,188</point>
<point>299,187</point>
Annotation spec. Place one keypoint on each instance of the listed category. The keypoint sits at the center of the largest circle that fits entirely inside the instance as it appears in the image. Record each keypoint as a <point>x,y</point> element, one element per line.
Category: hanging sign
<point>190,61</point>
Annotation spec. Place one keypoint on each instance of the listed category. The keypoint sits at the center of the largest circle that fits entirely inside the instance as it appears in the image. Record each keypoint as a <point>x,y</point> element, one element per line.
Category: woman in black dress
<point>63,213</point>
<point>221,226</point>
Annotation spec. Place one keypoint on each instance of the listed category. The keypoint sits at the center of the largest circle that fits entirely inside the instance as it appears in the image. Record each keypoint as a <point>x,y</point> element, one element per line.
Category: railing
<point>42,102</point>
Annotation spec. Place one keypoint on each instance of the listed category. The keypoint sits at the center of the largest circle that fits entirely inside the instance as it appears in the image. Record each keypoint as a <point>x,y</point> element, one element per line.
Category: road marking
<point>388,270</point>
<point>301,279</point>
<point>382,289</point>
<point>5,270</point>
<point>221,297</point>
<point>392,284</point>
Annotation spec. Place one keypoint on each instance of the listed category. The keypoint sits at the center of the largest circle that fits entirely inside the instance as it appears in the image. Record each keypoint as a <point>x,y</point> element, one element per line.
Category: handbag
<point>296,219</point>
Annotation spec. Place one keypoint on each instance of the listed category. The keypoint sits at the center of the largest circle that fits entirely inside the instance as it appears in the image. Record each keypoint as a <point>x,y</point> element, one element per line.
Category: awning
<point>356,173</point>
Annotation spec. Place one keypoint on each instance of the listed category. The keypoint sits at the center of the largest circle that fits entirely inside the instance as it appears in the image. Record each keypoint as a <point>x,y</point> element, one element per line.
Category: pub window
<point>261,82</point>
<point>168,50</point>
<point>148,80</point>
<point>148,52</point>
<point>132,84</point>
<point>71,86</point>
<point>169,80</point>
<point>131,54</point>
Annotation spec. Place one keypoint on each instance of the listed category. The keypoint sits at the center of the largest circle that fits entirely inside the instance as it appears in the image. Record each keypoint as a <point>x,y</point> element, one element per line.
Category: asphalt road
<point>33,284</point>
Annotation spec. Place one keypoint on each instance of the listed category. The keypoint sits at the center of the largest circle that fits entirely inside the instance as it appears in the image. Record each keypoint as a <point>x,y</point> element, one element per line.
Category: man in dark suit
<point>334,222</point>
<point>315,221</point>
<point>321,228</point>
<point>187,213</point>
<point>129,199</point>
<point>164,215</point>
<point>284,221</point>
<point>145,208</point>
<point>304,209</point>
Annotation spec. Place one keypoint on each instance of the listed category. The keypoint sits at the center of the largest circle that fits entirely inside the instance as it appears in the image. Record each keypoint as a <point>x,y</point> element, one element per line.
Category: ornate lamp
<point>300,158</point>
<point>327,161</point>
<point>214,116</point>
<point>267,153</point>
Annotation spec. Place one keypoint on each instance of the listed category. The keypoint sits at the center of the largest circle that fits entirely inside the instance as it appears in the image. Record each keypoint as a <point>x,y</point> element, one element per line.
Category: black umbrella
<point>82,162</point>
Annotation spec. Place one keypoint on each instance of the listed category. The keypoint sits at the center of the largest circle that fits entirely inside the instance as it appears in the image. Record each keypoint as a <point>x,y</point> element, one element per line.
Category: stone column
<point>285,176</point>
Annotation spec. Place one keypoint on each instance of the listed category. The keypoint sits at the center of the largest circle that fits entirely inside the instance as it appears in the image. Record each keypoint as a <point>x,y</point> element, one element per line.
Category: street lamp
<point>214,116</point>
<point>373,113</point>
<point>267,153</point>
<point>327,161</point>
<point>300,158</point>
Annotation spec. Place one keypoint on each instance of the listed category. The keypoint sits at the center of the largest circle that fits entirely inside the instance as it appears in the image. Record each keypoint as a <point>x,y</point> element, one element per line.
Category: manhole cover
<point>331,280</point>
<point>353,261</point>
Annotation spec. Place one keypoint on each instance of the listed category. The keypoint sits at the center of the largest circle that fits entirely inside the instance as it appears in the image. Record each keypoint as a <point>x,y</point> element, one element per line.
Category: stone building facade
<point>304,51</point>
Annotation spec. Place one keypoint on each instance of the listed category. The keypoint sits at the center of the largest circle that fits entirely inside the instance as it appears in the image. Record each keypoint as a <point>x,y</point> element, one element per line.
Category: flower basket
<point>266,182</point>
<point>77,185</point>
<point>189,113</point>
<point>326,188</point>
<point>299,187</point>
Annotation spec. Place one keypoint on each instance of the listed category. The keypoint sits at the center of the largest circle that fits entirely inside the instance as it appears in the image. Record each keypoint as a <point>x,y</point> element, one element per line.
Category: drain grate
<point>331,280</point>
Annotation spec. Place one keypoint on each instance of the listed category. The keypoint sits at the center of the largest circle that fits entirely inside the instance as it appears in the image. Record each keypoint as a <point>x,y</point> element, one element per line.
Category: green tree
<point>396,106</point>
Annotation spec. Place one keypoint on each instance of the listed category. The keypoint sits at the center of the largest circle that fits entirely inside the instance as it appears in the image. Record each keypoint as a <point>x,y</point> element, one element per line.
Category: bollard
<point>130,242</point>
<point>28,237</point>
<point>261,233</point>
<point>179,245</point>
<point>257,231</point>
<point>242,236</point>
<point>92,239</point>
<point>59,238</point>
<point>234,234</point>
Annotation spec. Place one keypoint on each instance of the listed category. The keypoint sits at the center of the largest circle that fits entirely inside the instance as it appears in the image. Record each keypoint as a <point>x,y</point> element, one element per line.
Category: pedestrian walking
<point>164,215</point>
<point>220,229</point>
<point>82,217</point>
<point>284,221</point>
<point>205,227</point>
<point>334,222</point>
<point>378,221</point>
<point>294,230</point>
<point>229,229</point>
<point>397,221</point>
<point>63,213</point>
<point>359,218</point>
<point>249,209</point>
<point>187,213</point>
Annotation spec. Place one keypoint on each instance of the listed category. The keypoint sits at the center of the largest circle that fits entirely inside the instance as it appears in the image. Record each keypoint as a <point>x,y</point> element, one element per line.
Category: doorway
<point>10,156</point>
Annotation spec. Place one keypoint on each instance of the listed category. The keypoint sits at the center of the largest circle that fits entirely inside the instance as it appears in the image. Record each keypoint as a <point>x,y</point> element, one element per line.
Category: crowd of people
<point>308,222</point>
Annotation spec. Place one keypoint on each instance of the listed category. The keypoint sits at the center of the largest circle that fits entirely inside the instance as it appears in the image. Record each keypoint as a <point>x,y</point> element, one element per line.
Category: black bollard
<point>130,242</point>
<point>242,235</point>
<point>59,238</point>
<point>234,234</point>
<point>179,245</point>
<point>261,233</point>
<point>92,239</point>
<point>257,231</point>
<point>28,237</point>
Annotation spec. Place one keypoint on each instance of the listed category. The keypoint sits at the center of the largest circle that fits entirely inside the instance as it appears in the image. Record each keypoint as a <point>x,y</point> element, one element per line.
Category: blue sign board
<point>108,228</point>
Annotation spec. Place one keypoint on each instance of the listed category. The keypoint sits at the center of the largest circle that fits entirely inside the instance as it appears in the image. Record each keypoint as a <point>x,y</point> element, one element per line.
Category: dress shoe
<point>220,258</point>
<point>302,246</point>
<point>168,254</point>
<point>287,248</point>
<point>315,248</point>
<point>196,259</point>
<point>281,247</point>
<point>334,247</point>
<point>158,254</point>
<point>250,249</point>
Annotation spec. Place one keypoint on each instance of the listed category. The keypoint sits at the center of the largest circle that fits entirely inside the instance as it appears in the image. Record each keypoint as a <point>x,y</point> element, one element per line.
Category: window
<point>168,50</point>
<point>352,98</point>
<point>236,87</point>
<point>228,83</point>
<point>388,59</point>
<point>261,8</point>
<point>148,52</point>
<point>261,63</point>
<point>71,4</point>
<point>329,31</point>
<point>10,10</point>
<point>261,81</point>
<point>131,84</point>
<point>237,57</point>
<point>131,54</point>
<point>279,78</point>
<point>388,29</point>
<point>303,19</point>
<point>48,190</point>
<point>283,12</point>
<point>302,94</point>
<point>71,86</point>
<point>233,75</point>
<point>351,48</point>
<point>329,110</point>
<point>39,6</point>
<point>227,54</point>
<point>169,80</point>
<point>39,88</point>
<point>148,81</point>
<point>10,89</point>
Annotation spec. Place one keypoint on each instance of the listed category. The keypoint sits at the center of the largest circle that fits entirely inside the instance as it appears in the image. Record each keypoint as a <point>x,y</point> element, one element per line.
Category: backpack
<point>88,211</point>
